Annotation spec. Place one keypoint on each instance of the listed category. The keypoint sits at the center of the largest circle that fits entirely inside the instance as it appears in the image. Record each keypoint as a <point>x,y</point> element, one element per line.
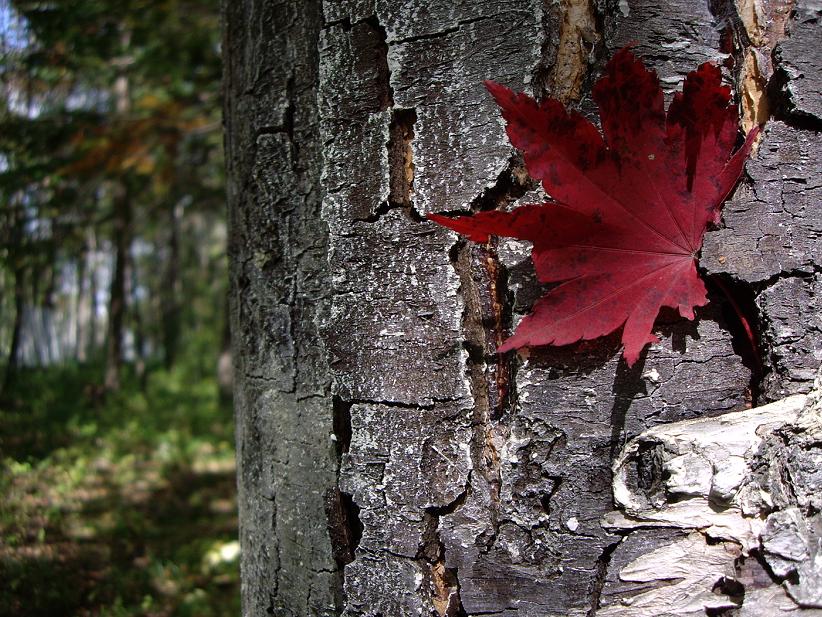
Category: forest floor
<point>120,505</point>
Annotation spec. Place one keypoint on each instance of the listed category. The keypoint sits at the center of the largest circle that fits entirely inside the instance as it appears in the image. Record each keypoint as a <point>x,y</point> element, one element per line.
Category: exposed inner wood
<point>577,36</point>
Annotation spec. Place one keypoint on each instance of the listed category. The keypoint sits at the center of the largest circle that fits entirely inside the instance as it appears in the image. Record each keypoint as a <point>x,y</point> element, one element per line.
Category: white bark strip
<point>746,485</point>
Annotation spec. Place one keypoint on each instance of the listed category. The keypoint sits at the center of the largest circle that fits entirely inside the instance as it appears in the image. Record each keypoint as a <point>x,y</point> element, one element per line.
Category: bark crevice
<point>601,572</point>
<point>444,580</point>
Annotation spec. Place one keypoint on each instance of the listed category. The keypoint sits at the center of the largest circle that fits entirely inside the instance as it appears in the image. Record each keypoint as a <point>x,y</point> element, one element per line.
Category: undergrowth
<point>117,505</point>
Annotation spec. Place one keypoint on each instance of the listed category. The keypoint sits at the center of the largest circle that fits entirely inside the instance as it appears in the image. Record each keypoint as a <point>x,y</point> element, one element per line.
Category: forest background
<point>117,490</point>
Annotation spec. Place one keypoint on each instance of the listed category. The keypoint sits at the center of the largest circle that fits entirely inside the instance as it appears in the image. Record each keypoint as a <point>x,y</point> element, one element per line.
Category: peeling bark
<point>741,486</point>
<point>390,462</point>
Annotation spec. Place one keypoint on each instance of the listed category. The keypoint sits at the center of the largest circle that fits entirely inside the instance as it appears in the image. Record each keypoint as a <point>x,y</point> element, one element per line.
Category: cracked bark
<point>390,463</point>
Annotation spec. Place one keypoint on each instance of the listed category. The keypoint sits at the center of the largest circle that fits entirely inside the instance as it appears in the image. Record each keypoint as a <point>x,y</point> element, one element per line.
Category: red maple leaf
<point>628,212</point>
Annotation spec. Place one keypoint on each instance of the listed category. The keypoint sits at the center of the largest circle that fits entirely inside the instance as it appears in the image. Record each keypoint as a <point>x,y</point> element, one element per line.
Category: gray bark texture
<point>389,462</point>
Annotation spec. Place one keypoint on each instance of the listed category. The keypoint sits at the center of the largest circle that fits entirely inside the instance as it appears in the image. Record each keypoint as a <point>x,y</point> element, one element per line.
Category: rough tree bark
<point>389,462</point>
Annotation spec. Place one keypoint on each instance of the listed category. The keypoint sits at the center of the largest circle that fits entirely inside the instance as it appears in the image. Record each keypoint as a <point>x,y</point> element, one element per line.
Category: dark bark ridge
<point>389,462</point>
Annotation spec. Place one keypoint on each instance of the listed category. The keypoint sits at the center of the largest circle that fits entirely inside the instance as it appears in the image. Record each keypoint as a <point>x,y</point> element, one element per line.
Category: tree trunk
<point>122,247</point>
<point>17,329</point>
<point>82,311</point>
<point>117,294</point>
<point>140,351</point>
<point>170,292</point>
<point>225,369</point>
<point>50,343</point>
<point>390,463</point>
<point>93,342</point>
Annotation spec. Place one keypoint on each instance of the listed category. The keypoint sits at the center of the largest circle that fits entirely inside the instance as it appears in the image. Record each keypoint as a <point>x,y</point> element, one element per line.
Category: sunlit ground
<point>122,506</point>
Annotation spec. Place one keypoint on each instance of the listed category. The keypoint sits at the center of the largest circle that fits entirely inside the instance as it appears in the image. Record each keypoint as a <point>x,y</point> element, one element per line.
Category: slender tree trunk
<point>390,463</point>
<point>81,310</point>
<point>17,328</point>
<point>137,318</point>
<point>92,344</point>
<point>117,294</point>
<point>170,292</point>
<point>50,341</point>
<point>122,247</point>
<point>225,376</point>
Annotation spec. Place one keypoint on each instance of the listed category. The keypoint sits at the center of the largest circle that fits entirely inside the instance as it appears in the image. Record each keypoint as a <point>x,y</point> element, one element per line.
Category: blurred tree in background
<point>112,181</point>
<point>117,487</point>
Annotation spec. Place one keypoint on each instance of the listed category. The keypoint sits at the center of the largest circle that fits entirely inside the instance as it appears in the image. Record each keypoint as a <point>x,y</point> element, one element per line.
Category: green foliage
<point>122,506</point>
<point>111,100</point>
